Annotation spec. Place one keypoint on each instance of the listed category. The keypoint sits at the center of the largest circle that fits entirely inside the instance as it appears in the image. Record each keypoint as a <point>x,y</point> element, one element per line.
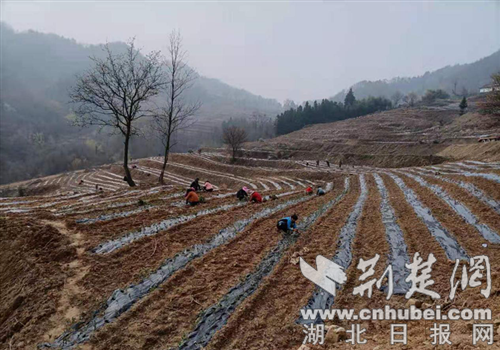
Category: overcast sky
<point>300,50</point>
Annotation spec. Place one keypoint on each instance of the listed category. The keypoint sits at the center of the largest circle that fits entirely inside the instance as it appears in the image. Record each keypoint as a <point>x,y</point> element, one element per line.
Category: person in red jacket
<point>256,197</point>
<point>309,190</point>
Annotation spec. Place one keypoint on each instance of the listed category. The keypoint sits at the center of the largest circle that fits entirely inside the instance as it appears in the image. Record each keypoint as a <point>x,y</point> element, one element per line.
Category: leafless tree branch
<point>114,92</point>
<point>176,113</point>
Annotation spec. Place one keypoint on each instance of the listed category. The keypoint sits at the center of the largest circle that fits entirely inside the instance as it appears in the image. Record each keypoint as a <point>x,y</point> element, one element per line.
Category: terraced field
<point>134,268</point>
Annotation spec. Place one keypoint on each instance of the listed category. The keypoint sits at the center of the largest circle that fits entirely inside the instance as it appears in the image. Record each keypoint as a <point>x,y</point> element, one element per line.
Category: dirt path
<point>173,307</point>
<point>67,312</point>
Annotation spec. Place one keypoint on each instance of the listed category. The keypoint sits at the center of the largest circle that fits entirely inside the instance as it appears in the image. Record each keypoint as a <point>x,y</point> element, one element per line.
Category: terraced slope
<point>394,138</point>
<point>134,268</point>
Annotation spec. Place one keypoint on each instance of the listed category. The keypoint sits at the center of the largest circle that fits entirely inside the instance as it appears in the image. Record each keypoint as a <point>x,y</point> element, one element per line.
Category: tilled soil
<point>34,261</point>
<point>50,280</point>
<point>481,210</point>
<point>169,313</point>
<point>107,207</point>
<point>487,186</point>
<point>251,168</point>
<point>469,238</point>
<point>137,260</point>
<point>99,232</point>
<point>370,240</point>
<point>193,174</point>
<point>268,316</point>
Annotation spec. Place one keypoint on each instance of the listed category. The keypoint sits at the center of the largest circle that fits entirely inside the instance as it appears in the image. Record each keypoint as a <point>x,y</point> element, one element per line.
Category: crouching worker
<point>208,187</point>
<point>196,185</point>
<point>309,190</point>
<point>288,224</point>
<point>242,194</point>
<point>192,198</point>
<point>256,197</point>
<point>320,191</point>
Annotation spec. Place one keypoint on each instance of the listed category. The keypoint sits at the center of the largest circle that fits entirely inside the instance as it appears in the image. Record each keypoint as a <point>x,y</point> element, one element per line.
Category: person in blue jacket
<point>288,224</point>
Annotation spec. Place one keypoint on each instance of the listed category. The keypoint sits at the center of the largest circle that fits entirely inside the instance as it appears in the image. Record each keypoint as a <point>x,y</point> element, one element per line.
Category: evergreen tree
<point>463,105</point>
<point>327,111</point>
<point>349,99</point>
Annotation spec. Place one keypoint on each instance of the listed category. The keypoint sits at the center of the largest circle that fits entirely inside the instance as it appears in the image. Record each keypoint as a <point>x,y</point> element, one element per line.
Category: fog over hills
<point>37,137</point>
<point>458,77</point>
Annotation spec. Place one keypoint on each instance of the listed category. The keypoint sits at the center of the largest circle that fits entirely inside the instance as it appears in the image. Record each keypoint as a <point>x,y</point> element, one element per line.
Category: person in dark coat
<point>196,185</point>
<point>242,194</point>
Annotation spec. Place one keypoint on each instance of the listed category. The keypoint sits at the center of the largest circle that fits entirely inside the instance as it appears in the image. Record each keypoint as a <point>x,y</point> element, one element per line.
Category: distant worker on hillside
<point>309,190</point>
<point>317,163</point>
<point>328,163</point>
<point>320,191</point>
<point>192,198</point>
<point>196,185</point>
<point>255,197</point>
<point>340,164</point>
<point>242,194</point>
<point>208,186</point>
<point>288,224</point>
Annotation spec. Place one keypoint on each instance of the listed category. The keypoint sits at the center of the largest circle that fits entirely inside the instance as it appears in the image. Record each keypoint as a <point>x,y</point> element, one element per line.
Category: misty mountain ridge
<point>38,70</point>
<point>36,135</point>
<point>45,60</point>
<point>471,76</point>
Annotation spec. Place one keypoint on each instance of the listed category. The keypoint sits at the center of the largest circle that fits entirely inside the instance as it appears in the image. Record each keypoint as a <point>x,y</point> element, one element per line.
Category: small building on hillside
<point>489,88</point>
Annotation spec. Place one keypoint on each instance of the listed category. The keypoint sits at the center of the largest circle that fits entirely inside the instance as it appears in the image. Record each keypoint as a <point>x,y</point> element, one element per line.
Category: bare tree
<point>396,98</point>
<point>176,112</point>
<point>410,99</point>
<point>234,137</point>
<point>454,89</point>
<point>289,104</point>
<point>463,93</point>
<point>491,103</point>
<point>114,92</point>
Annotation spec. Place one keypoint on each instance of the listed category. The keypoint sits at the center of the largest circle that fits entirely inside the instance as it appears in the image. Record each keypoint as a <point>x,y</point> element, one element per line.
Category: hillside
<point>36,137</point>
<point>394,138</point>
<point>471,76</point>
<point>89,263</point>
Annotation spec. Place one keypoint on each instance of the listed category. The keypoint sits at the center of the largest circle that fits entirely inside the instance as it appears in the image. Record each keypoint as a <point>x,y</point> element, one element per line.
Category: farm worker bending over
<point>208,187</point>
<point>288,224</point>
<point>190,189</point>
<point>196,185</point>
<point>242,194</point>
<point>192,198</point>
<point>256,197</point>
<point>309,190</point>
<point>320,191</point>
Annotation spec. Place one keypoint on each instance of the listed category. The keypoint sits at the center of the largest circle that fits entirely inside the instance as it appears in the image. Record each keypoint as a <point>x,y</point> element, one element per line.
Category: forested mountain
<point>36,135</point>
<point>470,76</point>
